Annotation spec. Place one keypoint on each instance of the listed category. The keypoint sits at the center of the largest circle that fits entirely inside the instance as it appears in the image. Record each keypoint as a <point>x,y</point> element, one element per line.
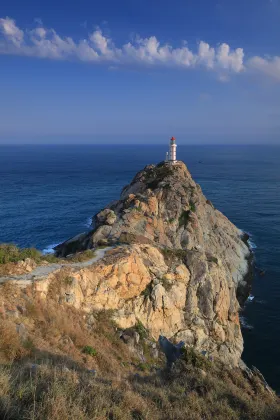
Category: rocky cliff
<point>176,263</point>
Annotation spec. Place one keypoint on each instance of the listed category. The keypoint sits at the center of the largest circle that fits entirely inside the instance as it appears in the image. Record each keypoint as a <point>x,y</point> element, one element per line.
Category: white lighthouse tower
<point>172,150</point>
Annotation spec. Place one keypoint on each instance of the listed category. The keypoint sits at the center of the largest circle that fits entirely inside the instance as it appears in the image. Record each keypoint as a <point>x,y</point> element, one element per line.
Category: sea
<point>49,193</point>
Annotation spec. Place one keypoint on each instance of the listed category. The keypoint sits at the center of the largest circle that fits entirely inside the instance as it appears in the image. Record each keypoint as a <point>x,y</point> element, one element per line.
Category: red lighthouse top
<point>173,138</point>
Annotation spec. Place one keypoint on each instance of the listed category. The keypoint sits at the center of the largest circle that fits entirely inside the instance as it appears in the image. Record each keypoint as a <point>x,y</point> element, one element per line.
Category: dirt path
<point>43,271</point>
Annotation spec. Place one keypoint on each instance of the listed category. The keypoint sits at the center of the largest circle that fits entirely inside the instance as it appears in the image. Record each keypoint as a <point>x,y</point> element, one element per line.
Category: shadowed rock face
<point>176,266</point>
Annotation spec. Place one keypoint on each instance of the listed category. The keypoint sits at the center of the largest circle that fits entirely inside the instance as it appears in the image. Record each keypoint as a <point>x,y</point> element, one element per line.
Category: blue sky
<point>140,71</point>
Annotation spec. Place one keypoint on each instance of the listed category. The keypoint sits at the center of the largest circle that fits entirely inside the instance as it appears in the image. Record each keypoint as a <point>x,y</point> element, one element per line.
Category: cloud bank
<point>97,48</point>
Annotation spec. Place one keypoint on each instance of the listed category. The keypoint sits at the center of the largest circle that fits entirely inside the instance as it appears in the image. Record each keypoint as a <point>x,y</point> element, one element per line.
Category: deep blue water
<point>49,193</point>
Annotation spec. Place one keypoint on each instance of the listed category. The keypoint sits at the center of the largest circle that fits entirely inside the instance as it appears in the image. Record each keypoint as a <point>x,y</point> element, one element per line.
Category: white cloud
<point>40,32</point>
<point>232,60</point>
<point>269,66</point>
<point>46,43</point>
<point>206,54</point>
<point>11,31</point>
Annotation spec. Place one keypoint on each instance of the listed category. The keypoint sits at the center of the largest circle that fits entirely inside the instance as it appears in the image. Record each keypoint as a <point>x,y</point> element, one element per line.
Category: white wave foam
<point>252,244</point>
<point>250,298</point>
<point>244,323</point>
<point>88,223</point>
<point>49,249</point>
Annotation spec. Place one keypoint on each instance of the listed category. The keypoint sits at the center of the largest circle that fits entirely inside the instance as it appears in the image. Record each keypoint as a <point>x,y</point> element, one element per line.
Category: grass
<point>10,344</point>
<point>144,367</point>
<point>49,375</point>
<point>52,392</point>
<point>60,281</point>
<point>143,333</point>
<point>192,206</point>
<point>137,208</point>
<point>90,351</point>
<point>193,358</point>
<point>10,255</point>
<point>82,256</point>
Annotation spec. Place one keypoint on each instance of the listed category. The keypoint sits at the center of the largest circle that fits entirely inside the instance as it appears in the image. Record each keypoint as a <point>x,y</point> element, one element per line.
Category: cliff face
<point>176,265</point>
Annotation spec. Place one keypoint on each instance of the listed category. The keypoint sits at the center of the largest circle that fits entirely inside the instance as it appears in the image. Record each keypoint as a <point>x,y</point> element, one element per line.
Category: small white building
<point>171,156</point>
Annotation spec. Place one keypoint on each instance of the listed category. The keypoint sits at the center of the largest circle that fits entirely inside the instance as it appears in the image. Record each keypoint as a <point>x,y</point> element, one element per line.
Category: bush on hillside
<point>10,253</point>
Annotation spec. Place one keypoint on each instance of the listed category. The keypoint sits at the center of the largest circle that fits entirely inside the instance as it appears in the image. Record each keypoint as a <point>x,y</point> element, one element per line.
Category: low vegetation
<point>192,206</point>
<point>58,389</point>
<point>59,363</point>
<point>184,218</point>
<point>169,254</point>
<point>89,350</point>
<point>10,255</point>
<point>83,256</point>
<point>139,327</point>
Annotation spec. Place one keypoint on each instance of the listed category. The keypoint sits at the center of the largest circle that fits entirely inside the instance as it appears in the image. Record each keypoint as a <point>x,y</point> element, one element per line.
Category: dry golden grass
<point>10,345</point>
<point>53,392</point>
<point>62,385</point>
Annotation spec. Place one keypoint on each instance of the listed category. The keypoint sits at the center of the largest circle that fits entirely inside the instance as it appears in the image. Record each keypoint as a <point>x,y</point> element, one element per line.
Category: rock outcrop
<point>176,265</point>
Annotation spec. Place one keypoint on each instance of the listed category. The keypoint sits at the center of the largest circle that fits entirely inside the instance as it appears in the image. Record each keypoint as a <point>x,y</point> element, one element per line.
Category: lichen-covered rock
<point>106,217</point>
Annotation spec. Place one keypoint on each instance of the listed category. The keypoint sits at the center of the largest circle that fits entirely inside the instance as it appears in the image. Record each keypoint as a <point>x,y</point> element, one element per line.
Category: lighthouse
<point>172,150</point>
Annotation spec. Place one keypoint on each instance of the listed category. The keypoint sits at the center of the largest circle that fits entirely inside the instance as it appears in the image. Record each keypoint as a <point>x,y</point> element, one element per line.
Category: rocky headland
<point>177,264</point>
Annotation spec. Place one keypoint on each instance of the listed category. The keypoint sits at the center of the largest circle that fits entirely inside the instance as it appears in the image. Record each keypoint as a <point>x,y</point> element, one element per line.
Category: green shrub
<point>82,256</point>
<point>10,253</point>
<point>137,208</point>
<point>50,258</point>
<point>192,206</point>
<point>90,351</point>
<point>139,327</point>
<point>192,357</point>
<point>184,218</point>
<point>144,367</point>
